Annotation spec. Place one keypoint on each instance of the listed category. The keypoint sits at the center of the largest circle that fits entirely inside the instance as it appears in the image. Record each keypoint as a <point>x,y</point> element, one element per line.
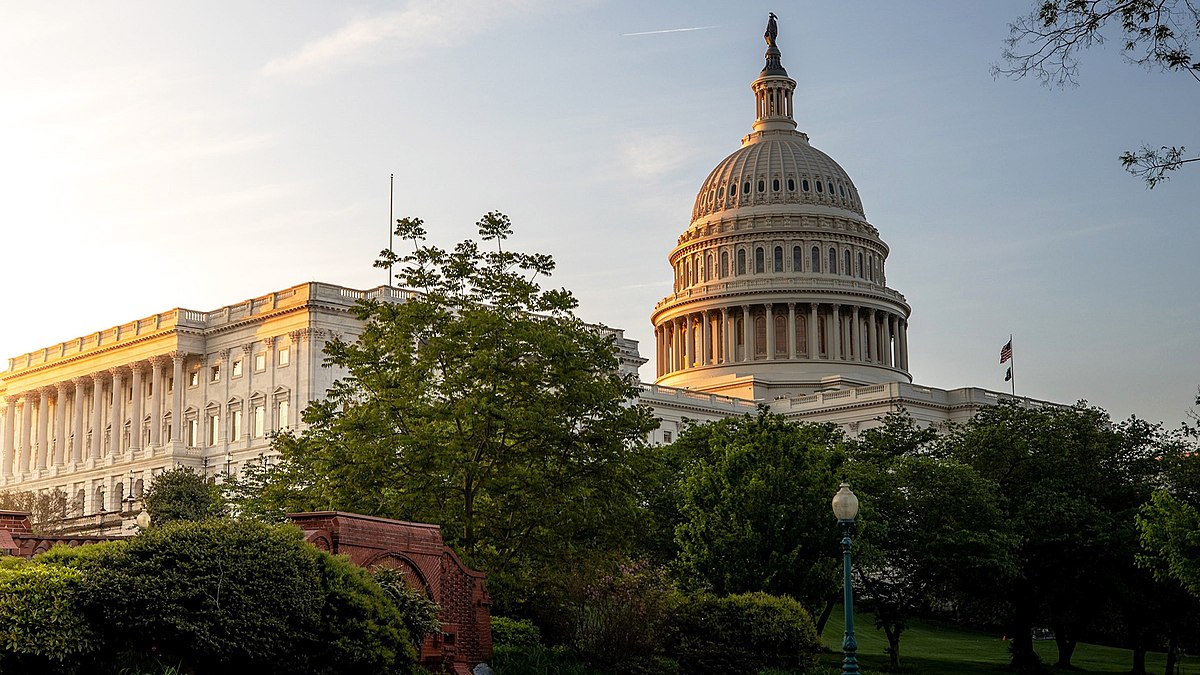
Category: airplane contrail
<point>669,30</point>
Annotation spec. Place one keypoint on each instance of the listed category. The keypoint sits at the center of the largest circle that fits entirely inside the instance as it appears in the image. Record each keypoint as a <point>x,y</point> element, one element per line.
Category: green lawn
<point>937,648</point>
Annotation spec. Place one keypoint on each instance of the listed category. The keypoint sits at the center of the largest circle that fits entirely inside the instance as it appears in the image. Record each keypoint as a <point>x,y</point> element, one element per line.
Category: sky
<point>158,155</point>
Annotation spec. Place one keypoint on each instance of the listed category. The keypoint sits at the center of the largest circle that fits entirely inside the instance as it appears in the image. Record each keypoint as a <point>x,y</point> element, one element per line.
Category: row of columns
<point>851,333</point>
<point>61,425</point>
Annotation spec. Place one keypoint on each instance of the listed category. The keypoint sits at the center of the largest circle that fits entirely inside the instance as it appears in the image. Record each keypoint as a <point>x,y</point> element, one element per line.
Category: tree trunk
<point>1139,659</point>
<point>824,618</point>
<point>1024,659</point>
<point>1066,647</point>
<point>1172,654</point>
<point>893,630</point>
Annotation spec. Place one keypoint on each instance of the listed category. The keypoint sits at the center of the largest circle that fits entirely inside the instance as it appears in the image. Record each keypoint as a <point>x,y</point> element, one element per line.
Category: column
<point>117,413</point>
<point>855,336</point>
<point>904,345</point>
<point>177,398</point>
<point>726,336</point>
<point>747,333</point>
<point>97,415</point>
<point>60,426</point>
<point>770,321</point>
<point>689,344</point>
<point>43,444</point>
<point>836,351</point>
<point>791,330</point>
<point>77,421</point>
<point>814,346</point>
<point>872,337</point>
<point>26,429</point>
<point>10,429</point>
<point>888,347</point>
<point>705,339</point>
<point>156,386</point>
<point>135,409</point>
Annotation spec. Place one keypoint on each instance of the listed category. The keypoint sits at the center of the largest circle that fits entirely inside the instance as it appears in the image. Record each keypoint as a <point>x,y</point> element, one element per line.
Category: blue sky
<point>168,154</point>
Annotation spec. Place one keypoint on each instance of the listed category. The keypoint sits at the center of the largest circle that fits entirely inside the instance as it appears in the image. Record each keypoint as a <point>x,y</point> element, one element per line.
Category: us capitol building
<point>780,298</point>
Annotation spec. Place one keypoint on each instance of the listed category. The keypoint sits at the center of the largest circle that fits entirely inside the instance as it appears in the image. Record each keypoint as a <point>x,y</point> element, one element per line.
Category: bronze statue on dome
<point>772,29</point>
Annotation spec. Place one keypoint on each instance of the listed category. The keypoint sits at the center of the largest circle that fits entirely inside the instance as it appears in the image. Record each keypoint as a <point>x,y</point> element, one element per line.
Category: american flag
<point>1006,352</point>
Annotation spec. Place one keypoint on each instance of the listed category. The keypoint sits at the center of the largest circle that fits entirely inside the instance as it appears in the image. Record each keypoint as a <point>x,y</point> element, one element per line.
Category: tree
<point>928,526</point>
<point>182,494</point>
<point>47,510</point>
<point>1153,33</point>
<point>1070,483</point>
<point>480,403</point>
<point>1170,522</point>
<point>753,494</point>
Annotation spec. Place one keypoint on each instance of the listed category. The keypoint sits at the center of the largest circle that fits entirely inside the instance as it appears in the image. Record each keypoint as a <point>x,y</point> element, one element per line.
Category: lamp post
<point>845,507</point>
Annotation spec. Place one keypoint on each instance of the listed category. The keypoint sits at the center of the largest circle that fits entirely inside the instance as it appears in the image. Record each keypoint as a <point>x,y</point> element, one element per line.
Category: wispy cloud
<point>668,30</point>
<point>420,25</point>
<point>656,155</point>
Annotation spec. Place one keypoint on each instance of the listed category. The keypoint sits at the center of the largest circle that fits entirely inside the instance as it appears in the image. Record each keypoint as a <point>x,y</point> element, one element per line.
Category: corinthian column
<point>43,444</point>
<point>77,421</point>
<point>60,425</point>
<point>770,326</point>
<point>872,336</point>
<point>118,419</point>
<point>836,352</point>
<point>814,345</point>
<point>135,409</point>
<point>10,429</point>
<point>177,398</point>
<point>97,415</point>
<point>26,429</point>
<point>156,387</point>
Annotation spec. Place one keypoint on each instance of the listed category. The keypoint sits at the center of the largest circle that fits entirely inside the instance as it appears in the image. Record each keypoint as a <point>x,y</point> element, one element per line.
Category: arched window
<point>830,189</point>
<point>758,260</point>
<point>762,185</point>
<point>708,270</point>
<point>821,337</point>
<point>739,339</point>
<point>832,261</point>
<point>760,336</point>
<point>721,192</point>
<point>746,188</point>
<point>860,269</point>
<point>819,188</point>
<point>791,185</point>
<point>801,334</point>
<point>846,263</point>
<point>733,189</point>
<point>724,264</point>
<point>741,261</point>
<point>815,261</point>
<point>804,185</point>
<point>871,268</point>
<point>841,191</point>
<point>781,340</point>
<point>797,259</point>
<point>775,185</point>
<point>687,271</point>
<point>778,258</point>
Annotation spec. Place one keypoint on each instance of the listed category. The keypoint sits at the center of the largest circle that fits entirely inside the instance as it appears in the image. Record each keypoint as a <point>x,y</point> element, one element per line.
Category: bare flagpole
<point>391,221</point>
<point>1012,367</point>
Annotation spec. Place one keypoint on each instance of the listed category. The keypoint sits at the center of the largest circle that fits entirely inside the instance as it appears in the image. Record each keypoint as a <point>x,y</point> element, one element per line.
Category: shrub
<point>507,660</point>
<point>419,613</point>
<point>742,634</point>
<point>508,632</point>
<point>618,620</point>
<point>42,612</point>
<point>182,494</point>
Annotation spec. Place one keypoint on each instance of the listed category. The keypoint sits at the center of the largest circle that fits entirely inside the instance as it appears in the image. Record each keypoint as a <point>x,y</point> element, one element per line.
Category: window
<point>801,334</point>
<point>282,408</point>
<point>791,185</point>
<point>778,258</point>
<point>721,192</point>
<point>708,269</point>
<point>841,191</point>
<point>214,373</point>
<point>832,261</point>
<point>760,336</point>
<point>759,263</point>
<point>236,369</point>
<point>193,430</point>
<point>762,185</point>
<point>781,338</point>
<point>260,362</point>
<point>194,378</point>
<point>260,419</point>
<point>214,428</point>
<point>860,269</point>
<point>235,425</point>
<point>741,261</point>
<point>804,185</point>
<point>746,188</point>
<point>846,263</point>
<point>819,187</point>
<point>724,263</point>
<point>871,268</point>
<point>815,261</point>
<point>733,189</point>
<point>775,185</point>
<point>666,437</point>
<point>797,259</point>
<point>285,356</point>
<point>830,189</point>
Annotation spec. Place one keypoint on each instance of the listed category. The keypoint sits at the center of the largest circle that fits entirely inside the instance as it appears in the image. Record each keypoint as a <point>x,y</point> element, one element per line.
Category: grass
<point>937,649</point>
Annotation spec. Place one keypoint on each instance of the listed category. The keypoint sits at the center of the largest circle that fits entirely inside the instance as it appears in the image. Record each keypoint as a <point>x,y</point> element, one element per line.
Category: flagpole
<point>1012,367</point>
<point>391,222</point>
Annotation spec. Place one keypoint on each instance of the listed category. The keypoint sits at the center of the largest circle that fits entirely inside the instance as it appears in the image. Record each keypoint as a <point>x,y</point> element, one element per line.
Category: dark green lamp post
<point>845,507</point>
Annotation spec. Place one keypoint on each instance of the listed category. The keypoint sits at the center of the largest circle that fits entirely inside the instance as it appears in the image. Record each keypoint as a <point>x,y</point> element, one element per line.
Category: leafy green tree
<point>480,403</point>
<point>1170,521</point>
<point>1070,483</point>
<point>46,510</point>
<point>182,494</point>
<point>928,526</point>
<point>752,494</point>
<point>1152,33</point>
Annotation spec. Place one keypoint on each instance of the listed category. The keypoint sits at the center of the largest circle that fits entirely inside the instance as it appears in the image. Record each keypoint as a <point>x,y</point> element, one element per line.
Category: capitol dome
<point>780,285</point>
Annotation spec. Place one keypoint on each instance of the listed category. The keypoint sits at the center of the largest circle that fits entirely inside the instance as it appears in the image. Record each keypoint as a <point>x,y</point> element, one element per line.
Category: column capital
<point>137,367</point>
<point>791,306</point>
<point>298,335</point>
<point>269,341</point>
<point>117,371</point>
<point>161,360</point>
<point>31,395</point>
<point>220,356</point>
<point>48,391</point>
<point>767,305</point>
<point>61,387</point>
<point>247,349</point>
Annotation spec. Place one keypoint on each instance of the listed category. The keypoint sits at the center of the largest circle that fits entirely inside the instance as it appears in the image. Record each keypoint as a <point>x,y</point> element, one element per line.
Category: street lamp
<point>845,507</point>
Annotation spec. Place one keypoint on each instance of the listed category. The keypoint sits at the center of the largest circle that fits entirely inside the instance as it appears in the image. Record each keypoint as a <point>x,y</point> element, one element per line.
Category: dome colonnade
<point>780,284</point>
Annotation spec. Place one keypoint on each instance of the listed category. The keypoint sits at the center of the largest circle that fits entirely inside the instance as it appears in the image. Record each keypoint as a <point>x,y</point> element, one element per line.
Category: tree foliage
<point>928,527</point>
<point>753,499</point>
<point>480,403</point>
<point>1154,33</point>
<point>47,510</point>
<point>182,494</point>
